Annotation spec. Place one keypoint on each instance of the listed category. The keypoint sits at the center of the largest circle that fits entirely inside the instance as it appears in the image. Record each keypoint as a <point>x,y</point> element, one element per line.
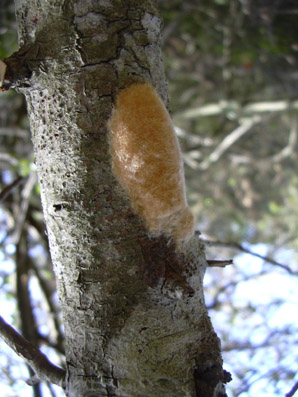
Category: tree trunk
<point>133,306</point>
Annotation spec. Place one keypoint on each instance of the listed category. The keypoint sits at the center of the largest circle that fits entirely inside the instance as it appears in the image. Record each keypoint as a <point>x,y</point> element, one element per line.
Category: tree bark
<point>133,306</point>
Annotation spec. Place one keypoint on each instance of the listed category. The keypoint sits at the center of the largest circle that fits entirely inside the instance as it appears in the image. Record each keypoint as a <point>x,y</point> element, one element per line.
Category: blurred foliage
<point>234,54</point>
<point>233,91</point>
<point>8,29</point>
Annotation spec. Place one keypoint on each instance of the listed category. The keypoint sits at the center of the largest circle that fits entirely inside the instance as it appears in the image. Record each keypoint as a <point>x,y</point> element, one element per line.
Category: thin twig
<point>3,67</point>
<point>240,247</point>
<point>8,189</point>
<point>219,263</point>
<point>7,158</point>
<point>44,369</point>
<point>229,140</point>
<point>23,208</point>
<point>188,136</point>
<point>48,297</point>
<point>293,390</point>
<point>19,132</point>
<point>288,150</point>
<point>221,107</point>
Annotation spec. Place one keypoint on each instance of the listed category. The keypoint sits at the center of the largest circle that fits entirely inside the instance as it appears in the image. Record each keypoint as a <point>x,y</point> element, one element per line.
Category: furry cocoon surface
<point>147,161</point>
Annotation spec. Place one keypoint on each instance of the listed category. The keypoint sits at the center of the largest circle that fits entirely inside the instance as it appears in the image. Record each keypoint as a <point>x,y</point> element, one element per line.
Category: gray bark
<point>132,326</point>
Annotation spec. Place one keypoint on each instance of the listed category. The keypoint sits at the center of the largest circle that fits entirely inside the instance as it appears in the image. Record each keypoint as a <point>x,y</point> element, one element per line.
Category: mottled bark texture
<point>133,305</point>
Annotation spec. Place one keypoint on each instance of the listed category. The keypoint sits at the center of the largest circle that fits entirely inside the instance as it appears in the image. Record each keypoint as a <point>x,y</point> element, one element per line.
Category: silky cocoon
<point>147,161</point>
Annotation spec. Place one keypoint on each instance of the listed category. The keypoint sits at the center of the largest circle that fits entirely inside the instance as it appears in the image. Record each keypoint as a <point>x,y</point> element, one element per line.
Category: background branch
<point>229,140</point>
<point>241,248</point>
<point>219,263</point>
<point>293,390</point>
<point>6,191</point>
<point>44,369</point>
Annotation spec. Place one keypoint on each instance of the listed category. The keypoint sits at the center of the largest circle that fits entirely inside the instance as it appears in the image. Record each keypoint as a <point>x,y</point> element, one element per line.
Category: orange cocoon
<point>147,161</point>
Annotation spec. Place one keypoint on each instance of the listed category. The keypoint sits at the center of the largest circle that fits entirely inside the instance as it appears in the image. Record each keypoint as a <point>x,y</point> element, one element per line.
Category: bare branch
<point>3,67</point>
<point>7,158</point>
<point>293,390</point>
<point>21,216</point>
<point>241,248</point>
<point>6,191</point>
<point>52,308</point>
<point>269,341</point>
<point>288,150</point>
<point>219,263</point>
<point>211,109</point>
<point>229,140</point>
<point>193,138</point>
<point>19,132</point>
<point>222,107</point>
<point>44,369</point>
<point>284,153</point>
